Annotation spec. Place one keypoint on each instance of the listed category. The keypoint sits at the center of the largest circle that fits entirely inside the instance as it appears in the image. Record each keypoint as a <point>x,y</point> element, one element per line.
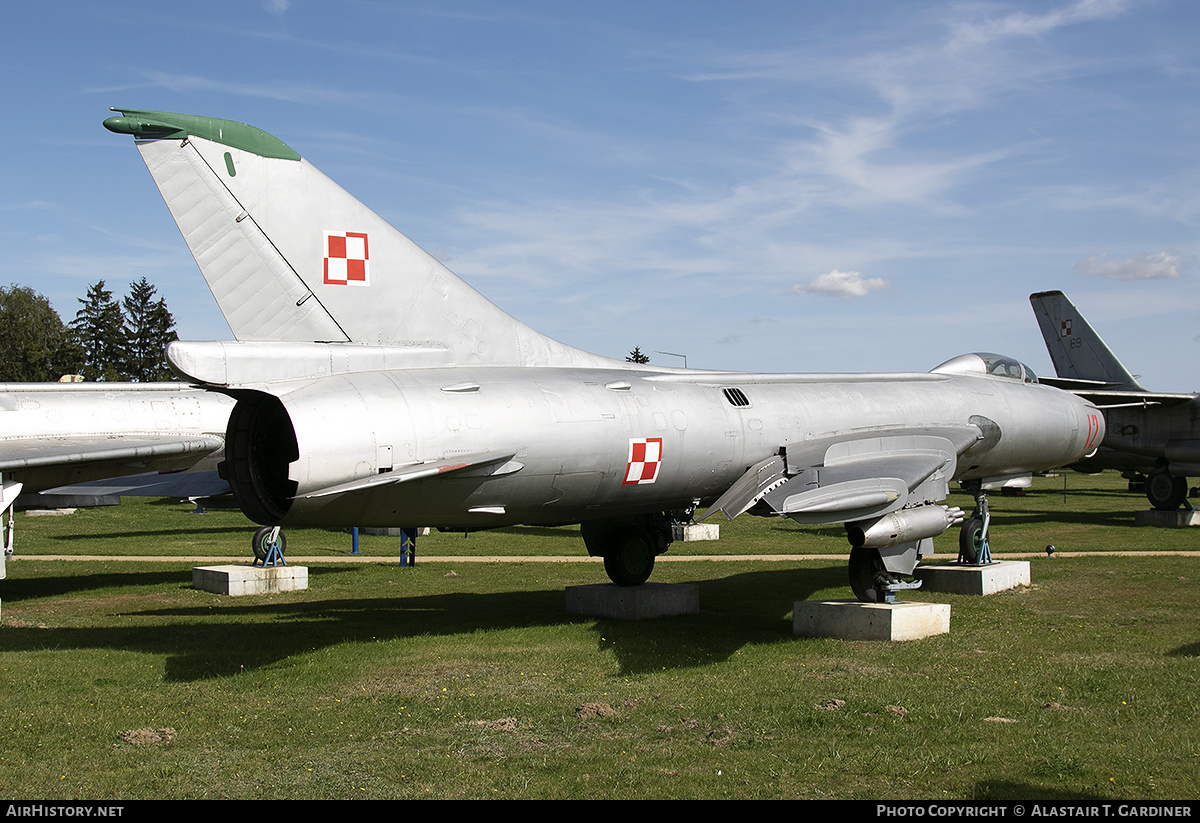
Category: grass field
<point>468,680</point>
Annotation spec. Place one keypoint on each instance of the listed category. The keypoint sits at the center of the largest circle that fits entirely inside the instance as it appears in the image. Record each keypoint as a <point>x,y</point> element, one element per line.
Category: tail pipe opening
<point>260,444</point>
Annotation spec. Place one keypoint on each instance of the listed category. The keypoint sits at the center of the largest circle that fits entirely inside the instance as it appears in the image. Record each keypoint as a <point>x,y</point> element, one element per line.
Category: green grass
<point>469,680</point>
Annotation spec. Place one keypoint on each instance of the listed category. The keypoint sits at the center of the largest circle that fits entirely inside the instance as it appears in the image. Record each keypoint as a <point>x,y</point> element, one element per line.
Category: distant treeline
<point>109,339</point>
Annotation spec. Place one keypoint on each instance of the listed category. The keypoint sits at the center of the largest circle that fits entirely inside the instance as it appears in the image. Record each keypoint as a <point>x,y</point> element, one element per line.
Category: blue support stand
<point>408,547</point>
<point>354,541</point>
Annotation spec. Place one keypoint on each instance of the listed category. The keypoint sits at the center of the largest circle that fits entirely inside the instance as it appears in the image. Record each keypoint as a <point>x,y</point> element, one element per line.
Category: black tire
<point>865,565</point>
<point>970,540</point>
<point>630,559</point>
<point>261,543</point>
<point>1165,492</point>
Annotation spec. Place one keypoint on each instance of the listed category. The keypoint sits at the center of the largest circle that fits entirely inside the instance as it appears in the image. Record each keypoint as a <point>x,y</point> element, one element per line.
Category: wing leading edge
<point>73,451</point>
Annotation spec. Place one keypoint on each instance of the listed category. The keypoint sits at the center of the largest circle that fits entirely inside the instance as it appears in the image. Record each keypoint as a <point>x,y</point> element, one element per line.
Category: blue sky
<point>767,186</point>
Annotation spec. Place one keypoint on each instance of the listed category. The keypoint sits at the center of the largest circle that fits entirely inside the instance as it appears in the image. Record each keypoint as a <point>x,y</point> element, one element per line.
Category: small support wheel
<point>630,558</point>
<point>866,573</point>
<point>264,547</point>
<point>970,541</point>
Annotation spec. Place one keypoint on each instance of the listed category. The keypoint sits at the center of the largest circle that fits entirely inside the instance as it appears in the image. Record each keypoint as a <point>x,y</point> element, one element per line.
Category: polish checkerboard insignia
<point>1065,327</point>
<point>347,262</point>
<point>645,456</point>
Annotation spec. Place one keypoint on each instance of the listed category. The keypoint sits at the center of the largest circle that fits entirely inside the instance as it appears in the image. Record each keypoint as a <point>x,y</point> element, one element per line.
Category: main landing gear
<point>875,577</point>
<point>628,545</point>
<point>1165,491</point>
<point>880,568</point>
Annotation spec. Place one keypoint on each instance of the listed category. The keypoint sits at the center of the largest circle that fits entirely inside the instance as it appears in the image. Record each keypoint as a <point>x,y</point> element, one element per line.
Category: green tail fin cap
<point>156,125</point>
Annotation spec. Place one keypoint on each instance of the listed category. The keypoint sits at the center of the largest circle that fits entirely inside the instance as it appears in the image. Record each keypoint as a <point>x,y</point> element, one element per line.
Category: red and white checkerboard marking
<point>1065,328</point>
<point>645,456</point>
<point>347,262</point>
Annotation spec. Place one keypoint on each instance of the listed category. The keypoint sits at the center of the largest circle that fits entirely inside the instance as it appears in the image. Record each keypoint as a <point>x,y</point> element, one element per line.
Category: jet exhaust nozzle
<point>903,526</point>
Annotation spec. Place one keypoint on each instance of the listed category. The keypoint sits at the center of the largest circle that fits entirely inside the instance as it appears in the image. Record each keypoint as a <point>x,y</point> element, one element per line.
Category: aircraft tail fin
<point>291,256</point>
<point>1077,351</point>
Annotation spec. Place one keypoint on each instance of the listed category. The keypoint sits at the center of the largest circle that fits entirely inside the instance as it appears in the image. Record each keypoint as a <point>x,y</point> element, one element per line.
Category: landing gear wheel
<point>630,560</point>
<point>970,541</point>
<point>866,572</point>
<point>1165,492</point>
<point>261,543</point>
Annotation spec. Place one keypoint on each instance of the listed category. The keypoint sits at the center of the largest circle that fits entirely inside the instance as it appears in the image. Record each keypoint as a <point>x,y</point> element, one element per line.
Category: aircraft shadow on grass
<point>993,790</point>
<point>202,642</point>
<point>1187,650</point>
<point>1060,517</point>
<point>157,532</point>
<point>18,589</point>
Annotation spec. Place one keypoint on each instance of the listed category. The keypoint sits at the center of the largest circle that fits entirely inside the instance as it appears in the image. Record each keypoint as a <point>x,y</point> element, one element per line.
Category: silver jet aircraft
<point>376,388</point>
<point>1148,433</point>
<point>57,434</point>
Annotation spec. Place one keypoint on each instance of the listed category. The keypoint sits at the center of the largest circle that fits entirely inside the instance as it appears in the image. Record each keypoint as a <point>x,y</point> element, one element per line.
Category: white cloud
<point>1023,24</point>
<point>1158,266</point>
<point>946,65</point>
<point>842,284</point>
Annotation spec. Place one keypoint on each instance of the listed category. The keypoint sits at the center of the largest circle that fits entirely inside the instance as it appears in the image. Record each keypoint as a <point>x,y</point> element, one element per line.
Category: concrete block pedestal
<point>855,620</point>
<point>696,531</point>
<point>644,602</point>
<point>955,578</point>
<point>239,580</point>
<point>1178,519</point>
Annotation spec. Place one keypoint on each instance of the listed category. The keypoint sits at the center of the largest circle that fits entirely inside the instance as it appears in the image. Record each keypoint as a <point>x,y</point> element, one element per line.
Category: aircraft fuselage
<point>583,443</point>
<point>1141,438</point>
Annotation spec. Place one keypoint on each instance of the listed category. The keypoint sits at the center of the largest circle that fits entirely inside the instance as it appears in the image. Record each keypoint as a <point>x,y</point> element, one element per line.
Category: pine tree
<point>100,330</point>
<point>636,356</point>
<point>149,327</point>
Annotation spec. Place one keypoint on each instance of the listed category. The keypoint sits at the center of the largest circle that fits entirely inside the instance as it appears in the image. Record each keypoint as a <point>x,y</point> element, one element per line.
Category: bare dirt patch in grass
<point>148,737</point>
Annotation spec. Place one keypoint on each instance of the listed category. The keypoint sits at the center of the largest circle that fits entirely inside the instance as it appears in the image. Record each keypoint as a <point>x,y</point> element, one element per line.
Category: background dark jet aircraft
<point>1149,433</point>
<point>376,388</point>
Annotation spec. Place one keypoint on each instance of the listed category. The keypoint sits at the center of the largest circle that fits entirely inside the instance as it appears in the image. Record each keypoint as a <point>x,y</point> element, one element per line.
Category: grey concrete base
<point>34,500</point>
<point>953,578</point>
<point>854,620</point>
<point>696,531</point>
<point>642,602</point>
<point>1177,519</point>
<point>48,512</point>
<point>237,580</point>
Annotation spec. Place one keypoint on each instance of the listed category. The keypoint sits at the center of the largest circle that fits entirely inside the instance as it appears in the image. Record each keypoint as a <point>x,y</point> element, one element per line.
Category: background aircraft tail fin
<point>291,256</point>
<point>1075,348</point>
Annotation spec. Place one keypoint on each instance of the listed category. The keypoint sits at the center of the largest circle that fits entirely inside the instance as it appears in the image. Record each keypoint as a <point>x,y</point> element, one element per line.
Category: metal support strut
<point>9,491</point>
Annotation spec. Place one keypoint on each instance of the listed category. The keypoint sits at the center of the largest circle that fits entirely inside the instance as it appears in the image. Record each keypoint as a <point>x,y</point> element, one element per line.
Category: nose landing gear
<point>973,548</point>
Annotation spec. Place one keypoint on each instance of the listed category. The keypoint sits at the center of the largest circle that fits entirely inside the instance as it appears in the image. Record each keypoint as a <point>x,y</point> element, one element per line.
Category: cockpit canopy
<point>996,365</point>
